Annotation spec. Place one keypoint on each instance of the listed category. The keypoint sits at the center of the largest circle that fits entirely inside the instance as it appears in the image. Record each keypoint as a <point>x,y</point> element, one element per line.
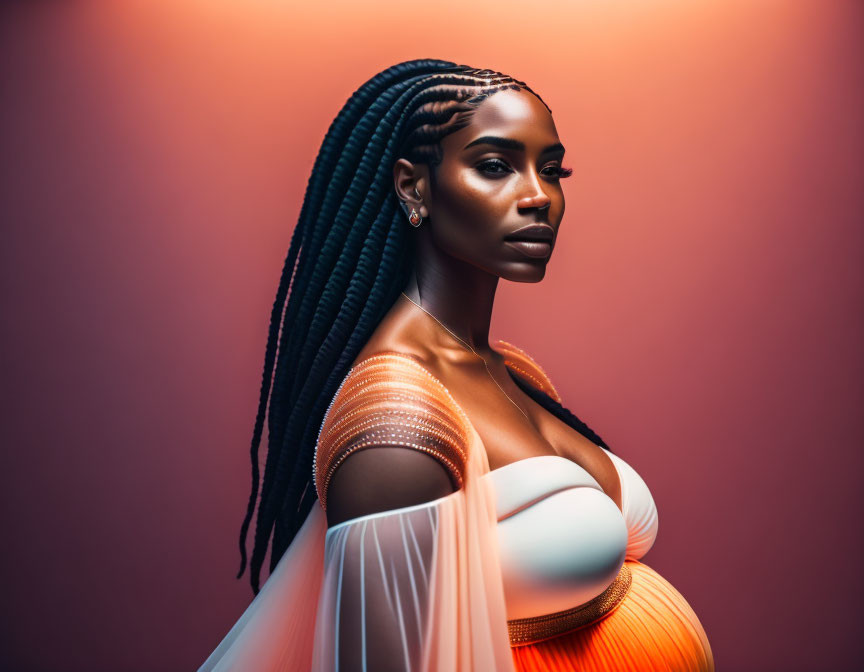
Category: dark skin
<point>482,192</point>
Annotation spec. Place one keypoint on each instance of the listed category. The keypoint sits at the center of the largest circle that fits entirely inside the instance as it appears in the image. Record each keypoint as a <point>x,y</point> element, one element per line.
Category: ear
<point>411,180</point>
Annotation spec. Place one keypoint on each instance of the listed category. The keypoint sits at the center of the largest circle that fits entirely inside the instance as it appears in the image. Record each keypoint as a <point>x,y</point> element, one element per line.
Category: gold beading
<point>537,628</point>
<point>390,399</point>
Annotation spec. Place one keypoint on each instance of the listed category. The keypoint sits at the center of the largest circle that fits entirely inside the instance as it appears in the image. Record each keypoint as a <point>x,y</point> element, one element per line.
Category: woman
<point>433,505</point>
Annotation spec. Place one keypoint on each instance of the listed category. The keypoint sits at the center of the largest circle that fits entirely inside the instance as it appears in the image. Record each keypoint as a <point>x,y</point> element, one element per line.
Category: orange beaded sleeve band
<point>391,399</point>
<point>524,365</point>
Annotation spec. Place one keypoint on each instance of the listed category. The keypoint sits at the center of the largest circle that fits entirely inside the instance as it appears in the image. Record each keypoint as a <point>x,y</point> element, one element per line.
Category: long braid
<point>300,405</point>
<point>332,148</point>
<point>297,468</point>
<point>349,257</point>
<point>303,377</point>
<point>558,410</point>
<point>264,523</point>
<point>311,203</point>
<point>383,294</point>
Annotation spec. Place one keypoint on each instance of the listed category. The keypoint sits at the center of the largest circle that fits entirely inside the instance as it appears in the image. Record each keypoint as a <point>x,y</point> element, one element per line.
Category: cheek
<point>472,202</point>
<point>557,212</point>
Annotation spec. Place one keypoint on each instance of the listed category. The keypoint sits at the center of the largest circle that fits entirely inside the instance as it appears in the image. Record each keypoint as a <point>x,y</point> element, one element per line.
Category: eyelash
<point>560,173</point>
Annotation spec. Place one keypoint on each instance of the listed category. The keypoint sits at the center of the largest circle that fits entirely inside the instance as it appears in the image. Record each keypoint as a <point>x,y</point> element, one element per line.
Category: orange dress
<point>440,578</point>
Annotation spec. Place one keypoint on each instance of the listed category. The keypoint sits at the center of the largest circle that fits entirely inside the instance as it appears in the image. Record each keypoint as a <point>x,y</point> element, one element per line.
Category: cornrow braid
<point>348,259</point>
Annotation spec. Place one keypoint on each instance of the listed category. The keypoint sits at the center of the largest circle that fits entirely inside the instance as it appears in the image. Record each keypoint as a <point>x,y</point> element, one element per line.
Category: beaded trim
<point>434,417</point>
<point>535,629</point>
<point>386,416</point>
<point>519,357</point>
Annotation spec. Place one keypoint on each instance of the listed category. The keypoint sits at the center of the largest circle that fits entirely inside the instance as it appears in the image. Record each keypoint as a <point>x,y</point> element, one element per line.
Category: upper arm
<point>382,479</point>
<point>393,437</point>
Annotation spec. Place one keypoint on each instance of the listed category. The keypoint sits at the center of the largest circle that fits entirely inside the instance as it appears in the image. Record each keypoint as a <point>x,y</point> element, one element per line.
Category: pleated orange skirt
<point>653,629</point>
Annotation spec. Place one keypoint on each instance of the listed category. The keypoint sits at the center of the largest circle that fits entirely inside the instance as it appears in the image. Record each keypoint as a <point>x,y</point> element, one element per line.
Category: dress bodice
<point>562,540</point>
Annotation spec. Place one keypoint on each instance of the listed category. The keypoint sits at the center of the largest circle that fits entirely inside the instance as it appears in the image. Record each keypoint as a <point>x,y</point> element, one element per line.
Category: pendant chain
<point>470,349</point>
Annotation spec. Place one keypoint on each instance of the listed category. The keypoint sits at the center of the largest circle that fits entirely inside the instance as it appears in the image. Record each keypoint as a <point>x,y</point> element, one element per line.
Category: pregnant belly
<point>560,551</point>
<point>654,628</point>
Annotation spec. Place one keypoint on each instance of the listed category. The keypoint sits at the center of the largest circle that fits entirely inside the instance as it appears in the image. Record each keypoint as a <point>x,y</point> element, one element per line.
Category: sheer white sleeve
<point>396,595</point>
<point>417,588</point>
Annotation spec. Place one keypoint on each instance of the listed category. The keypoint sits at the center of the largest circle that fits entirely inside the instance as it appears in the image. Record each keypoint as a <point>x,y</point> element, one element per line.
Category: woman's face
<point>498,175</point>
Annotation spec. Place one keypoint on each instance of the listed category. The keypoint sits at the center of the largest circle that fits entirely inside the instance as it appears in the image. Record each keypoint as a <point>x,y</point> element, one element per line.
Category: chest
<point>510,434</point>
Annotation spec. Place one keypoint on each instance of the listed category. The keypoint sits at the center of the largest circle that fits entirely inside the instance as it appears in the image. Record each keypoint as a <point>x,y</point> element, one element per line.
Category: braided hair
<point>349,257</point>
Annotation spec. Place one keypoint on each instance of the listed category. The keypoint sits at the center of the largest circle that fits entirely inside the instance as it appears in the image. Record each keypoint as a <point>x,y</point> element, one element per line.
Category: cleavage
<point>506,434</point>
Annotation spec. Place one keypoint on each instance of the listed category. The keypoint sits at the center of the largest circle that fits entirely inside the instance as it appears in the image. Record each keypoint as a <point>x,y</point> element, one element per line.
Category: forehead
<point>513,114</point>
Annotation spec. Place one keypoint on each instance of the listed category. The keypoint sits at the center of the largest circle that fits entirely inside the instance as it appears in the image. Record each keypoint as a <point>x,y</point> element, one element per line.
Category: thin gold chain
<point>472,350</point>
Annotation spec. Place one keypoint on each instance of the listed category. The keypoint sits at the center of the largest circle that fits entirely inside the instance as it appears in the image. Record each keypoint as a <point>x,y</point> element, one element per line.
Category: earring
<point>415,218</point>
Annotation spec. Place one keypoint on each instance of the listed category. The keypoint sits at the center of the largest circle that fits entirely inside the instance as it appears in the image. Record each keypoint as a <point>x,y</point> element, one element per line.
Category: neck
<point>458,294</point>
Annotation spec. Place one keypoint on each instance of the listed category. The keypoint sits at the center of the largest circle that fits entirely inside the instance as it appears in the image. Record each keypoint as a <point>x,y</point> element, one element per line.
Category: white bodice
<point>562,539</point>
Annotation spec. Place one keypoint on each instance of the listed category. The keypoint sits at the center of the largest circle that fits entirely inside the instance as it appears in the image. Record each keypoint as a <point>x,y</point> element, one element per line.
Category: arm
<point>382,479</point>
<point>383,559</point>
<point>390,449</point>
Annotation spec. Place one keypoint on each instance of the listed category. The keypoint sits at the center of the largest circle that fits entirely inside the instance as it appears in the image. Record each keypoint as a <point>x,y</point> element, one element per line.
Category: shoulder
<point>391,407</point>
<point>527,367</point>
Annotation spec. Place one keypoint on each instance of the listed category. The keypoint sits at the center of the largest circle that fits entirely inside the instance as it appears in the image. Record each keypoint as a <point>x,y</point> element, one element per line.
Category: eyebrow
<point>509,143</point>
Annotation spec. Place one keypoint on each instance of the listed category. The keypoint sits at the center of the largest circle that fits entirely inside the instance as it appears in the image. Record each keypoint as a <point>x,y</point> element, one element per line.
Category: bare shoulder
<point>391,342</point>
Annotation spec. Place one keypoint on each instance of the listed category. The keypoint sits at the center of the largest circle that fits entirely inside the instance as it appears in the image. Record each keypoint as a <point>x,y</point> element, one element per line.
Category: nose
<point>538,198</point>
<point>541,201</point>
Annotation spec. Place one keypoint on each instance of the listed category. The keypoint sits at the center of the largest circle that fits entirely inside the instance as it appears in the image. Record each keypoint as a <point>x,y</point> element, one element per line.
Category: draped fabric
<point>420,588</point>
<point>277,628</point>
<point>421,576</point>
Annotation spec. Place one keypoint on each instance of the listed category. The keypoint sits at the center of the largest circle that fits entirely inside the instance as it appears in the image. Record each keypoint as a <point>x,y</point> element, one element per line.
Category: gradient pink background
<point>702,311</point>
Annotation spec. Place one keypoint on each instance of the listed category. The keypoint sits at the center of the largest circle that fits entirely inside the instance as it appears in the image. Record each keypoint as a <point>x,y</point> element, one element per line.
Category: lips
<point>534,233</point>
<point>534,240</point>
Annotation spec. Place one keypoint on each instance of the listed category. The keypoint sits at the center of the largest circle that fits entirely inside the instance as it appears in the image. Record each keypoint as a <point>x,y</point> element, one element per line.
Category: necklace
<point>468,346</point>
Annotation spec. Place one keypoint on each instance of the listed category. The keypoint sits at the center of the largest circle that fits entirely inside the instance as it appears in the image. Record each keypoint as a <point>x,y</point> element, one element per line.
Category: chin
<point>525,272</point>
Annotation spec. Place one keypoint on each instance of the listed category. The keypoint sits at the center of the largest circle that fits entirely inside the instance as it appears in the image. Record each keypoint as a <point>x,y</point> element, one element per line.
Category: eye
<point>556,172</point>
<point>493,167</point>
